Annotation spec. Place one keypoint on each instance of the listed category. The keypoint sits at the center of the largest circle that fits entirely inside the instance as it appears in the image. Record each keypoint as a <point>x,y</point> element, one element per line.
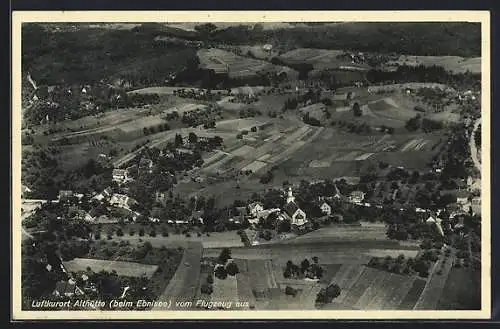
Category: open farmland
<point>320,59</point>
<point>455,64</point>
<point>183,285</point>
<point>236,66</point>
<point>122,268</point>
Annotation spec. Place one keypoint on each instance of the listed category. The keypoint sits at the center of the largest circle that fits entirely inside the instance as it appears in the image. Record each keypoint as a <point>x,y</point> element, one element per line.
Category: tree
<point>224,256</point>
<point>141,232</point>
<point>290,291</point>
<point>356,109</point>
<point>193,138</point>
<point>119,232</point>
<point>178,140</point>
<point>206,289</point>
<point>327,295</point>
<point>232,269</point>
<point>304,265</point>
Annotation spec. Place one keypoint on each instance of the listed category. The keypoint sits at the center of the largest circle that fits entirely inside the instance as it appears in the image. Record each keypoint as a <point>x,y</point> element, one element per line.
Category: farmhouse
<point>65,195</point>
<point>122,201</point>
<point>104,194</point>
<point>120,175</point>
<point>326,208</point>
<point>255,208</point>
<point>357,196</point>
<point>293,212</point>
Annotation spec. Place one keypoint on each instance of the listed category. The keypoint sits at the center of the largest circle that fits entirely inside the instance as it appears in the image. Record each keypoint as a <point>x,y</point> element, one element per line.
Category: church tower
<point>290,197</point>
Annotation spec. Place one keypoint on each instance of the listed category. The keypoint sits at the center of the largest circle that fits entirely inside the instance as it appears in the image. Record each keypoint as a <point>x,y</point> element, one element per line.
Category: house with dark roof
<point>292,211</point>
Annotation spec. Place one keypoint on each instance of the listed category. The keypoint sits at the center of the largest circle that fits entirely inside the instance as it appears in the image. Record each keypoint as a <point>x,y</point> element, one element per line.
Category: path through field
<point>183,285</point>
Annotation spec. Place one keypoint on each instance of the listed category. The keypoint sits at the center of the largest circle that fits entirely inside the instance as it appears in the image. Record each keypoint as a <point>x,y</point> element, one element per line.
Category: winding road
<point>472,145</point>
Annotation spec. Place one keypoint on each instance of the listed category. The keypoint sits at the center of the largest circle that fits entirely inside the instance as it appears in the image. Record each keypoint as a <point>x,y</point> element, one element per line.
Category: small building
<point>357,196</point>
<point>326,208</point>
<point>120,175</point>
<point>476,205</point>
<point>65,195</point>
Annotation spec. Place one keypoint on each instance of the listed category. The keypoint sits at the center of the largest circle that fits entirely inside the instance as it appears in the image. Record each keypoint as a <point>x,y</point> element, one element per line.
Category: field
<point>462,290</point>
<point>455,64</point>
<point>183,285</point>
<point>319,58</point>
<point>122,268</point>
<point>227,239</point>
<point>236,66</point>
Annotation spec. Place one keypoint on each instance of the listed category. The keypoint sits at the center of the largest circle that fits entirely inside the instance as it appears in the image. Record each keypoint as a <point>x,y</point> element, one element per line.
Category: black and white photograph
<point>189,165</point>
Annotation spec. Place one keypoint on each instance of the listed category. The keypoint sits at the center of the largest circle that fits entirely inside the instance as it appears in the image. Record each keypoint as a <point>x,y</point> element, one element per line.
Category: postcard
<point>250,165</point>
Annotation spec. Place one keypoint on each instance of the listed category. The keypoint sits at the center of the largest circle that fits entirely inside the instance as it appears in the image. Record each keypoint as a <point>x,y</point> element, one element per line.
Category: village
<point>268,177</point>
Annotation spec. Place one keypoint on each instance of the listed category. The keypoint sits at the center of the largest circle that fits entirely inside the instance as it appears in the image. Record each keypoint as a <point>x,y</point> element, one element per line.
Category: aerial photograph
<point>250,166</point>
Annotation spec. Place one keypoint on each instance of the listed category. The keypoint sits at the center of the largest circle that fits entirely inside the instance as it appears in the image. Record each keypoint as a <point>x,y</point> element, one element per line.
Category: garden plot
<point>255,166</point>
<point>122,268</point>
<point>396,292</point>
<point>415,144</point>
<point>243,151</point>
<point>365,280</point>
<point>379,284</point>
<point>238,124</point>
<point>225,290</point>
<point>346,277</point>
<point>287,152</point>
<point>413,295</point>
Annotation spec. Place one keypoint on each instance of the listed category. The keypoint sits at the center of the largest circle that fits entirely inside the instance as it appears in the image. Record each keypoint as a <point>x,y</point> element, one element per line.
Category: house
<point>146,164</point>
<point>292,211</point>
<point>197,217</point>
<point>120,175</point>
<point>122,201</point>
<point>161,197</point>
<point>255,208</point>
<point>67,289</point>
<point>357,196</point>
<point>476,205</point>
<point>326,208</point>
<point>65,195</point>
<point>104,194</point>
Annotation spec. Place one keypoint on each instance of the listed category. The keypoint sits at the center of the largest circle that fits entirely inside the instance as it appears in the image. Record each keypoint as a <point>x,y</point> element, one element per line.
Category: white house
<point>119,175</point>
<point>293,212</point>
<point>121,201</point>
<point>326,208</point>
<point>357,196</point>
<point>255,208</point>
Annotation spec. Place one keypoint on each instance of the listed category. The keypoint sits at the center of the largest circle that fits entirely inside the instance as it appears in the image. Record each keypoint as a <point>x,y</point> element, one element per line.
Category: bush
<point>290,291</point>
<point>152,233</point>
<point>141,232</point>
<point>131,232</point>
<point>164,233</point>
<point>119,232</point>
<point>232,269</point>
<point>210,279</point>
<point>206,289</point>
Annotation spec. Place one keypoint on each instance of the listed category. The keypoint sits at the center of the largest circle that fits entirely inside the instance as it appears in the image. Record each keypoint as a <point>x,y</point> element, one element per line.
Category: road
<point>472,145</point>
